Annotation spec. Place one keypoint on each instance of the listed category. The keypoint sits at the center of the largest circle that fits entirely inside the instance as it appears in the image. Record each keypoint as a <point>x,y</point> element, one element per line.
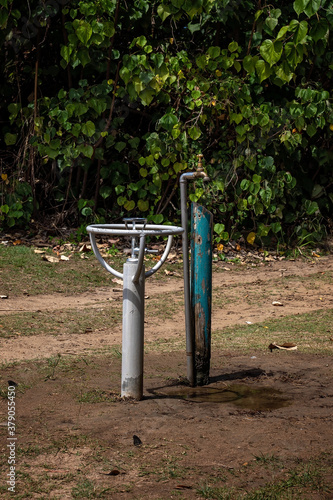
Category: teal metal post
<point>201,290</point>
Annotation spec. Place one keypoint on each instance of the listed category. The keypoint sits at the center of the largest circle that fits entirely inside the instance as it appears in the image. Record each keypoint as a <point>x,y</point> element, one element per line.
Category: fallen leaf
<point>220,247</point>
<point>85,248</point>
<point>168,273</point>
<point>37,250</point>
<point>118,281</point>
<point>276,303</point>
<point>64,257</point>
<point>50,258</point>
<point>286,346</point>
<point>3,296</point>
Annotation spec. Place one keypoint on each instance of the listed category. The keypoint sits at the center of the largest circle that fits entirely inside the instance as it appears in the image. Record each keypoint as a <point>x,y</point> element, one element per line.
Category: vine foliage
<point>106,103</point>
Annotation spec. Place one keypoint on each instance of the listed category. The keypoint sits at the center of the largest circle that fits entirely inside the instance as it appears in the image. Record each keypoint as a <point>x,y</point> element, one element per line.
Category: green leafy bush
<point>128,94</point>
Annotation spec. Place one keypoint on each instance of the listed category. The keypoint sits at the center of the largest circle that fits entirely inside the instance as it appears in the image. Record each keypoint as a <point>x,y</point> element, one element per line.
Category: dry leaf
<point>168,273</point>
<point>50,258</point>
<point>85,248</point>
<point>276,303</point>
<point>118,281</point>
<point>3,296</point>
<point>286,346</point>
<point>64,257</point>
<point>37,250</point>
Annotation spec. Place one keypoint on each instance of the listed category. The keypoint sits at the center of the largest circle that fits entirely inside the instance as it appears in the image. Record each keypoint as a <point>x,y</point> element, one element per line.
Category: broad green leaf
<point>76,129</point>
<point>245,184</point>
<point>88,128</point>
<point>129,205</point>
<point>263,69</point>
<point>311,207</point>
<point>147,95</point>
<point>312,7</point>
<point>125,74</point>
<point>119,189</point>
<point>294,55</point>
<point>276,227</point>
<point>157,59</point>
<point>119,146</point>
<point>10,139</point>
<point>299,6</point>
<point>86,150</point>
<point>164,11</point>
<point>84,32</point>
<point>317,191</point>
<point>141,41</point>
<point>271,22</point>
<point>233,46</point>
<point>283,72</point>
<point>282,33</point>
<point>219,228</point>
<point>99,105</point>
<point>194,132</point>
<point>214,52</point>
<point>249,63</point>
<point>143,205</point>
<point>157,219</point>
<point>311,130</point>
<point>168,121</point>
<point>84,57</point>
<point>201,61</point>
<point>236,118</point>
<point>105,191</point>
<point>271,51</point>
<point>65,53</point>
<point>301,32</point>
<point>121,200</point>
<point>319,30</point>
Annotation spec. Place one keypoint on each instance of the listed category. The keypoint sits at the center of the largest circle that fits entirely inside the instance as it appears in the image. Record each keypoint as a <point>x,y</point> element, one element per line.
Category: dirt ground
<point>262,414</point>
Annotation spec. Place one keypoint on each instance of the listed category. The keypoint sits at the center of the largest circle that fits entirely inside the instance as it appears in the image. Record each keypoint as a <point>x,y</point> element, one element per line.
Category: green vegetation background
<point>104,104</point>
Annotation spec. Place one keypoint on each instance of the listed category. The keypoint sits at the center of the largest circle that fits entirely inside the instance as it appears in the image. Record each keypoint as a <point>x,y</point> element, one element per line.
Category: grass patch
<point>97,396</point>
<point>24,272</point>
<point>310,331</point>
<point>67,321</point>
<point>295,481</point>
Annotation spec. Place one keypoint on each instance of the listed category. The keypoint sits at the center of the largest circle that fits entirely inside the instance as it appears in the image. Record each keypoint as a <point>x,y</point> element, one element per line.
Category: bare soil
<point>262,414</point>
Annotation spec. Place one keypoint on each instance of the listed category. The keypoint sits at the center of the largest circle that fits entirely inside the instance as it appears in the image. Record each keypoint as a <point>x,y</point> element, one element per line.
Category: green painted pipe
<point>201,290</point>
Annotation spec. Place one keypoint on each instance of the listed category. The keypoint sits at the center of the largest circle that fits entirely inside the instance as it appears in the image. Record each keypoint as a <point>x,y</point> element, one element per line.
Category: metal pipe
<point>139,259</point>
<point>133,332</point>
<point>187,293</point>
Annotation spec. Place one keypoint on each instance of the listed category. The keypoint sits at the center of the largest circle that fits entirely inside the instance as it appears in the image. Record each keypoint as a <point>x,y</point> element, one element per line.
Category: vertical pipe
<point>201,290</point>
<point>133,331</point>
<point>187,296</point>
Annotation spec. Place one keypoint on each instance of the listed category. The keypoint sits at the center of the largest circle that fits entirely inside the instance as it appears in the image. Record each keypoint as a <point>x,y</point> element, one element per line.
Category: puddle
<point>240,395</point>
